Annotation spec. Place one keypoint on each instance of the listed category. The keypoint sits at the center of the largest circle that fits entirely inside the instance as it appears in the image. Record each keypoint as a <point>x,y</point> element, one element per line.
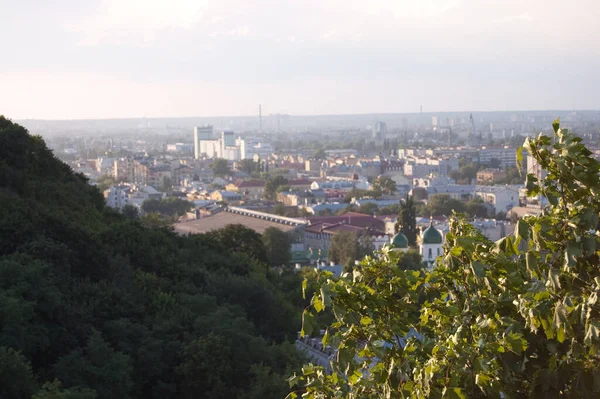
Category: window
<point>438,252</point>
<point>430,256</point>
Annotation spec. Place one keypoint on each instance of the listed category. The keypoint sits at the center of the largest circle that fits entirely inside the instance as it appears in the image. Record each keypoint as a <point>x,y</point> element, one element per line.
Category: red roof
<point>248,183</point>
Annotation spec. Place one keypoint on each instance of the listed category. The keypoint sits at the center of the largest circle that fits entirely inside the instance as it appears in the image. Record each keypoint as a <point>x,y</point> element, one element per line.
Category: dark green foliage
<point>347,246</point>
<point>237,238</point>
<point>384,185</point>
<point>95,304</point>
<point>277,244</point>
<point>221,168</point>
<point>16,377</point>
<point>410,260</point>
<point>130,212</point>
<point>167,207</point>
<point>407,220</point>
<point>248,166</point>
<point>54,390</point>
<point>272,184</point>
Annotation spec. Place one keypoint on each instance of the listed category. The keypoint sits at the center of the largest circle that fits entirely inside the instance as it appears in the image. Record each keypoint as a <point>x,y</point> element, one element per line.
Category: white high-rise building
<point>201,133</point>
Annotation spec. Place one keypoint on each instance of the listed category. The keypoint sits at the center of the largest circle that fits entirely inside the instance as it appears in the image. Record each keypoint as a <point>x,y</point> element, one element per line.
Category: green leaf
<point>522,230</point>
<point>520,159</point>
<point>571,252</point>
<point>304,285</point>
<point>325,339</point>
<point>478,268</point>
<point>366,320</point>
<point>293,380</point>
<point>307,323</point>
<point>553,278</point>
<point>317,304</point>
<point>531,263</point>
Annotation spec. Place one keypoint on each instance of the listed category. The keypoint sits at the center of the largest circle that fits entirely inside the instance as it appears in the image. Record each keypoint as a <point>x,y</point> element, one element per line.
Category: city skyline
<point>119,59</point>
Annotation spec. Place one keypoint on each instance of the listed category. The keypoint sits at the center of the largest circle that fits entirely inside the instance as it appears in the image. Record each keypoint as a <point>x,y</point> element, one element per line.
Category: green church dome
<point>399,241</point>
<point>431,235</point>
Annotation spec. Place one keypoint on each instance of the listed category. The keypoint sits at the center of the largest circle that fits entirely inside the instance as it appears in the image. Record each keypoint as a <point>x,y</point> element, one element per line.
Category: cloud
<point>139,21</point>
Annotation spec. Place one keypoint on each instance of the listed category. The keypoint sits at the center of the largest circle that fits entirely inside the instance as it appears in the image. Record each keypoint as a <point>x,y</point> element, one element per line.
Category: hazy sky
<point>134,58</point>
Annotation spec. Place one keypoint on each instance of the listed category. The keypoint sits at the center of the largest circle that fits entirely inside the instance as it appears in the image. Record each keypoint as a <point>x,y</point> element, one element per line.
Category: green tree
<point>477,208</point>
<point>54,390</point>
<point>221,168</point>
<point>104,182</point>
<point>130,212</point>
<point>407,220</point>
<point>248,166</point>
<point>169,207</point>
<point>278,246</point>
<point>515,318</point>
<point>320,154</point>
<point>385,185</point>
<point>99,367</point>
<point>348,246</point>
<point>238,238</point>
<point>442,205</point>
<point>410,260</point>
<point>272,184</point>
<point>16,378</point>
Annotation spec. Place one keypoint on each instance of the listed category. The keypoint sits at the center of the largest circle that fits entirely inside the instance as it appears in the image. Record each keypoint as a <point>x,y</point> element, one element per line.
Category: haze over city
<point>132,58</point>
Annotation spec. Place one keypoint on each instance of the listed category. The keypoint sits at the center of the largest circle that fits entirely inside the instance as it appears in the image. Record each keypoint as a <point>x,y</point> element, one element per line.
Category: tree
<point>477,208</point>
<point>278,246</point>
<point>166,184</point>
<point>221,168</point>
<point>515,318</point>
<point>385,185</point>
<point>407,220</point>
<point>320,154</point>
<point>410,260</point>
<point>54,390</point>
<point>347,246</point>
<point>238,238</point>
<point>130,212</point>
<point>272,184</point>
<point>248,166</point>
<point>169,207</point>
<point>96,305</point>
<point>442,205</point>
<point>16,378</point>
<point>104,182</point>
<point>99,367</point>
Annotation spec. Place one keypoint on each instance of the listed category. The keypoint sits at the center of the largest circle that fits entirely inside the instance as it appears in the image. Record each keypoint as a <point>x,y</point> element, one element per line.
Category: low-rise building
<point>226,196</point>
<point>502,198</point>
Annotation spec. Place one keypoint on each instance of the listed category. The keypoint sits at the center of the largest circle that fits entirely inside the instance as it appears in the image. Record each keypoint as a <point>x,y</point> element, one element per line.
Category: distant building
<point>378,130</point>
<point>502,198</point>
<point>506,155</point>
<point>201,133</point>
<point>225,196</point>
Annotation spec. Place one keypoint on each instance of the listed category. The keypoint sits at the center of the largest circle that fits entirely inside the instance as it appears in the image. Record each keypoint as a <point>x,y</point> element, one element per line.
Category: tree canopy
<point>95,305</point>
<point>514,318</point>
<point>221,168</point>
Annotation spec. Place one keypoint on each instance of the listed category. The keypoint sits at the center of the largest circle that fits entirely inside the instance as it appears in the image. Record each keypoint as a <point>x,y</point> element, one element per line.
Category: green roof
<point>399,241</point>
<point>431,235</point>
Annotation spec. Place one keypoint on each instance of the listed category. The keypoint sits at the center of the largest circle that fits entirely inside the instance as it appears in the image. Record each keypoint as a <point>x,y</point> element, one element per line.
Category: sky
<point>73,59</point>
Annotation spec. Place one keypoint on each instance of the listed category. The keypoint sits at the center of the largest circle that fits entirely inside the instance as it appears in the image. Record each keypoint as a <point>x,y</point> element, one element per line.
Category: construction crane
<point>472,123</point>
<point>474,132</point>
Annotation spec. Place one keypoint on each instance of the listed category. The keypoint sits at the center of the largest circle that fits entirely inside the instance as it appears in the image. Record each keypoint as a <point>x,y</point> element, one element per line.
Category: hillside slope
<point>93,305</point>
